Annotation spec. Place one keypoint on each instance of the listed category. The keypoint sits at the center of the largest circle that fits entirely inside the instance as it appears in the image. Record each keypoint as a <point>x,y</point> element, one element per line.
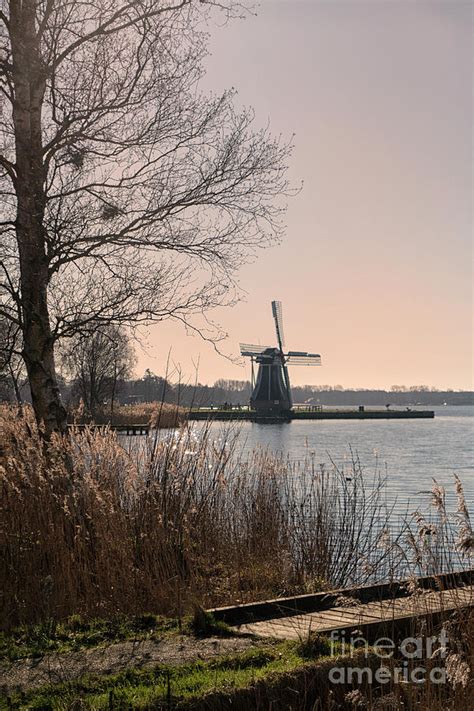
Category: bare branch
<point>116,23</point>
<point>8,167</point>
<point>129,197</point>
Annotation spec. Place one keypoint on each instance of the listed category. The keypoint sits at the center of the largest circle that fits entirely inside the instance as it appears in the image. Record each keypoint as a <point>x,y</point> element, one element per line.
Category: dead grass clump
<point>441,539</point>
<point>161,415</point>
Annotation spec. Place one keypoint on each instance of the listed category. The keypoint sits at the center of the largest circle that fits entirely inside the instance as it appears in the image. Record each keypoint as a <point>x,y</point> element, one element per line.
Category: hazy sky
<point>375,271</point>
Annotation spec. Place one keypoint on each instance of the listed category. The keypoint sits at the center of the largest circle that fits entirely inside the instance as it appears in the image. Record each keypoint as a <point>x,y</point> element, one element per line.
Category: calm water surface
<point>411,452</point>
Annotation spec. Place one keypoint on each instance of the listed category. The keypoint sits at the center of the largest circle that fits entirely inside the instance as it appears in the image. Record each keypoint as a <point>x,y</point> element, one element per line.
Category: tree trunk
<point>38,344</point>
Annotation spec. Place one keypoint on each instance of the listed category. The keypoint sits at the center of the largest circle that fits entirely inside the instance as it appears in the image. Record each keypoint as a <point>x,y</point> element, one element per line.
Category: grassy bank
<point>279,676</point>
<point>166,686</point>
<point>75,633</point>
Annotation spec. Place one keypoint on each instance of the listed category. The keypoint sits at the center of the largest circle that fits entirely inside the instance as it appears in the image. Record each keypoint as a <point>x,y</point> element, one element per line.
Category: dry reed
<point>156,414</point>
<point>177,521</point>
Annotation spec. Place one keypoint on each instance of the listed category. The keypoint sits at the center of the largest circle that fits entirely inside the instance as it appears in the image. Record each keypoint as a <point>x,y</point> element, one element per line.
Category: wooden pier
<point>130,429</point>
<point>369,609</point>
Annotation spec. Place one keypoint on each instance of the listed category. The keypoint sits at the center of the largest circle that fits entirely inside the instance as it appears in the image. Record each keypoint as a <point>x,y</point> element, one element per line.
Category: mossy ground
<point>76,633</point>
<point>165,686</point>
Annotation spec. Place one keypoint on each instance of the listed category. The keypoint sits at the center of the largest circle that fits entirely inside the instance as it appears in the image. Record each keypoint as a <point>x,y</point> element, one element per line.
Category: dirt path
<point>54,668</point>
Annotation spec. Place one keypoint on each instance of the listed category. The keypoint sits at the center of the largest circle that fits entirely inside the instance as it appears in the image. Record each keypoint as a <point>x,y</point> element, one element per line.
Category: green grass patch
<point>75,633</point>
<point>204,624</point>
<point>158,687</point>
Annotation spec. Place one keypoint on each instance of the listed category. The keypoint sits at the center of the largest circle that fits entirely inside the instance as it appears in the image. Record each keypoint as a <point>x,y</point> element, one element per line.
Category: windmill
<point>271,390</point>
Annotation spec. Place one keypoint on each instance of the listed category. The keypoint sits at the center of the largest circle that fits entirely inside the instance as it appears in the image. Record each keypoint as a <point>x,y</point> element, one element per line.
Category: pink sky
<point>375,271</point>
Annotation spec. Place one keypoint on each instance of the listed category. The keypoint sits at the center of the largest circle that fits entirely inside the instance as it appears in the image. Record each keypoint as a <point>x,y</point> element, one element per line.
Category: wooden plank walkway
<point>130,429</point>
<point>363,616</point>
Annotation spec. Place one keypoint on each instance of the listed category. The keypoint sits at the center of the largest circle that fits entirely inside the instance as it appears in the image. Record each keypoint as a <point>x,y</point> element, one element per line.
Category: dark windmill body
<point>271,390</point>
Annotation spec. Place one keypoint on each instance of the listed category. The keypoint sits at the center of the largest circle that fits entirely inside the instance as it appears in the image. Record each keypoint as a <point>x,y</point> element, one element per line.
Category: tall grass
<point>455,687</point>
<point>90,528</point>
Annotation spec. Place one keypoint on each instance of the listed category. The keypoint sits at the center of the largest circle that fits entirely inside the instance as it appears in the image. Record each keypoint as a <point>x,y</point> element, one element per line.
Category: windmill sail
<point>248,349</point>
<point>300,358</point>
<point>277,312</point>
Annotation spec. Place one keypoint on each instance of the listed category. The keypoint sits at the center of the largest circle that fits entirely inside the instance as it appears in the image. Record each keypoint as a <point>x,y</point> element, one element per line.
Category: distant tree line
<point>153,388</point>
<point>413,395</point>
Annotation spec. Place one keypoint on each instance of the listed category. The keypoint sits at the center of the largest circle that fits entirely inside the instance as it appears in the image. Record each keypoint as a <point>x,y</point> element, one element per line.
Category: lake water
<point>411,452</point>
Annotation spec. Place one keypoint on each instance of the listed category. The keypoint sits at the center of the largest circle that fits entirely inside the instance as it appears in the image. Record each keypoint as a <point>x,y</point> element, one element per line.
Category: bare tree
<point>97,363</point>
<point>128,196</point>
